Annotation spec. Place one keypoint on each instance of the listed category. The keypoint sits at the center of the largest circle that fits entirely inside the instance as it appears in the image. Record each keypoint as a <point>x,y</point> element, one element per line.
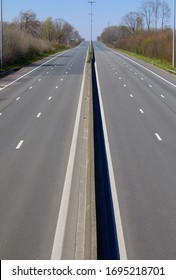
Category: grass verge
<point>160,63</point>
<point>89,60</point>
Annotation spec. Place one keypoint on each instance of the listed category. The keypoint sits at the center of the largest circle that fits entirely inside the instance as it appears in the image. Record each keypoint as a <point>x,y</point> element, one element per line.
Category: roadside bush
<point>157,45</point>
<point>150,44</point>
<point>19,45</point>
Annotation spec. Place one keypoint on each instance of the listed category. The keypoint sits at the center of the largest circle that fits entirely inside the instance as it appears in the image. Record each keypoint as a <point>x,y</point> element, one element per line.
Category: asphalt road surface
<point>40,155</point>
<point>139,106</point>
<point>38,113</point>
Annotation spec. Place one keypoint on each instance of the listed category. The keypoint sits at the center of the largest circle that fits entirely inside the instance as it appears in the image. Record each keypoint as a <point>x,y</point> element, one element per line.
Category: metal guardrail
<point>7,72</point>
<point>107,240</point>
<point>172,71</point>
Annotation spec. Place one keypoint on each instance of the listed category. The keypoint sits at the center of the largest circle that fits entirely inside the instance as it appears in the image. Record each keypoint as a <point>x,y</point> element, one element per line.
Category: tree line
<point>151,15</point>
<point>144,31</point>
<point>27,36</point>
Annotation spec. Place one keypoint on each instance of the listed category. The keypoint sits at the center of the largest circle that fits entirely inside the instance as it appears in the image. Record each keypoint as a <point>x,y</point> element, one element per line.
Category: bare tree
<point>156,4</point>
<point>131,20</point>
<point>76,36</point>
<point>110,34</point>
<point>165,14</point>
<point>59,23</point>
<point>147,13</point>
<point>65,32</point>
<point>140,24</point>
<point>68,30</point>
<point>28,22</point>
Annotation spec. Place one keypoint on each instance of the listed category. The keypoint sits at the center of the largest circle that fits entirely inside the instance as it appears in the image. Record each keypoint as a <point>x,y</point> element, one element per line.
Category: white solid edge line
<point>33,70</point>
<point>62,217</point>
<point>144,68</point>
<point>121,240</point>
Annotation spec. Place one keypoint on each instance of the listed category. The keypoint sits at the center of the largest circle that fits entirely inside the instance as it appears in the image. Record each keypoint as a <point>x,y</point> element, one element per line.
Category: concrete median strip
<point>86,243</point>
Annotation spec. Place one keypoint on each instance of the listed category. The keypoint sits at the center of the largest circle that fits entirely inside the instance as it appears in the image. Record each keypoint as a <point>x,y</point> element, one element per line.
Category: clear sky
<point>76,12</point>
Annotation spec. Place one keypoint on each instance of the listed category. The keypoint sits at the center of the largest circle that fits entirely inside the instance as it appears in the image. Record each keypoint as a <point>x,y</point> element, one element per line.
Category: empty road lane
<point>139,104</point>
<point>39,125</point>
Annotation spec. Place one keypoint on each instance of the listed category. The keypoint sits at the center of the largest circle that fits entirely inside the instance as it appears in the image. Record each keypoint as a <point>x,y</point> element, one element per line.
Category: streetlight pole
<point>91,2</point>
<point>173,48</point>
<point>1,36</point>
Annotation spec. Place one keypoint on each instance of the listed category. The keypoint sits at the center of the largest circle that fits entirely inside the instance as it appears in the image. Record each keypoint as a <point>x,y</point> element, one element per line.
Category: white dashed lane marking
<point>18,98</point>
<point>158,136</point>
<point>19,145</point>
<point>39,114</point>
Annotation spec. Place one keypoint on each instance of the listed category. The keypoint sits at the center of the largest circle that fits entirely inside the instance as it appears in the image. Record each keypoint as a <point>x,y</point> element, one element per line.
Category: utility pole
<point>91,14</point>
<point>173,48</point>
<point>1,37</point>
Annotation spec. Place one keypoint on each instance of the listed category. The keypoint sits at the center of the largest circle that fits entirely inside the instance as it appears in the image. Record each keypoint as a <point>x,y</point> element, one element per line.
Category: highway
<point>139,118</point>
<point>40,116</point>
<point>41,122</point>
